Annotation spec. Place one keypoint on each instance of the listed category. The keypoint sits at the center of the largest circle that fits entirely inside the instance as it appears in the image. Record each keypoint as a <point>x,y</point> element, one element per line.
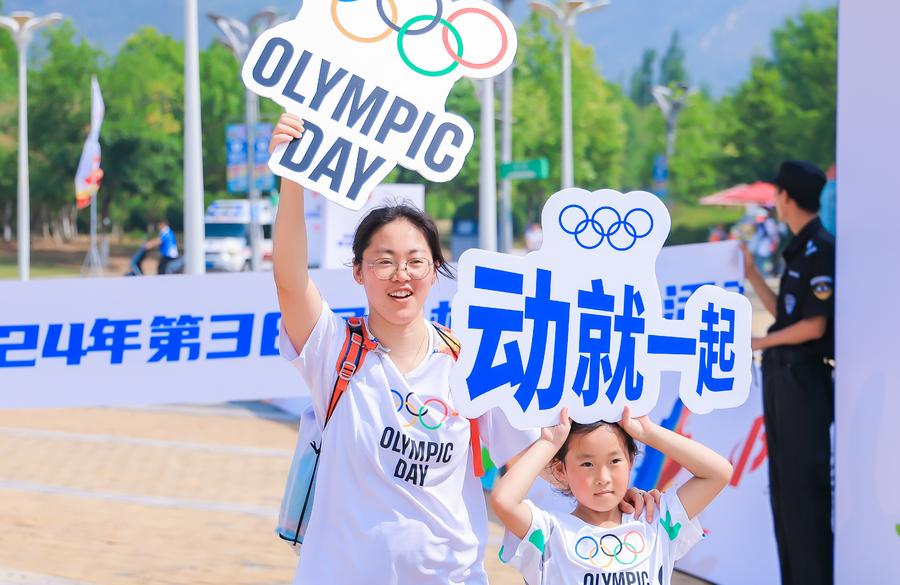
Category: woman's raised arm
<point>298,296</point>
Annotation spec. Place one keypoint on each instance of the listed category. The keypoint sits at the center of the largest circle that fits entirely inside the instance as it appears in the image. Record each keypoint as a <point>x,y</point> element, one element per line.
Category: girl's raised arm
<point>711,471</point>
<point>298,297</point>
<point>508,495</point>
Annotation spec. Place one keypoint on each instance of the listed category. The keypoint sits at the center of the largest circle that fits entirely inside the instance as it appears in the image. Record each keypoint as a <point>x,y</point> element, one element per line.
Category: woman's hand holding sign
<point>289,127</point>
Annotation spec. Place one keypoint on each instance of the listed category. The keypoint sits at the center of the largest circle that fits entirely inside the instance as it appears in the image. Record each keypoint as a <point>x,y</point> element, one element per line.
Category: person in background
<point>167,244</point>
<point>798,387</point>
<point>534,237</point>
<point>717,234</point>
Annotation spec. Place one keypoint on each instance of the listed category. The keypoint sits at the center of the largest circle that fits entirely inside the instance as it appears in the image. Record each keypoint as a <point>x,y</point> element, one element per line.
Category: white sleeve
<point>528,554</point>
<point>681,533</point>
<point>502,439</point>
<point>316,363</point>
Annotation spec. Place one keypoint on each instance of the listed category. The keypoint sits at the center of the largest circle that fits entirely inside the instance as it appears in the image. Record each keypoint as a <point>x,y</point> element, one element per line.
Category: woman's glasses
<point>386,268</point>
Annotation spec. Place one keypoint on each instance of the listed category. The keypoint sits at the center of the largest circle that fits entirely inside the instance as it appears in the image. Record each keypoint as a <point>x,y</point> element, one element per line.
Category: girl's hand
<point>636,427</point>
<point>556,435</point>
<point>288,128</point>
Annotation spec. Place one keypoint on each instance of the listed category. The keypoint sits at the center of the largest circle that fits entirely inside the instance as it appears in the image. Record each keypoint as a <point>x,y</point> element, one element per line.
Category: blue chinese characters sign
<point>580,322</point>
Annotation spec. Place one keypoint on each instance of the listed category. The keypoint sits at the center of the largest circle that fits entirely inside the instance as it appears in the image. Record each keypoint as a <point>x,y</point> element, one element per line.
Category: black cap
<point>803,182</point>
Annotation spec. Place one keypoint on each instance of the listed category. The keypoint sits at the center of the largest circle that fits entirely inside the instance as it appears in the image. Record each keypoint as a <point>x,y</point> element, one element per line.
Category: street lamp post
<point>23,25</point>
<point>506,231</point>
<point>565,15</point>
<point>239,38</point>
<point>194,255</point>
<point>670,102</point>
<point>487,186</point>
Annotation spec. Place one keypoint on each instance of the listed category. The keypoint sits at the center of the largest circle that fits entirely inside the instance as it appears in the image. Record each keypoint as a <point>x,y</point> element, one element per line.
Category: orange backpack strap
<point>475,442</point>
<point>356,345</point>
<point>474,435</point>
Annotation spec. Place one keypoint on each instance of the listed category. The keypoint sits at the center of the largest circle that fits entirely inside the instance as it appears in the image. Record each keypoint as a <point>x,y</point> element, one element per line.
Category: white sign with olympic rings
<point>371,79</point>
<point>579,323</point>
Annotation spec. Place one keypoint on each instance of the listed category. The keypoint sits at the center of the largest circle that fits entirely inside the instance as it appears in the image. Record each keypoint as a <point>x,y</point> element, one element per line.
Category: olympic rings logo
<point>438,406</point>
<point>621,233</point>
<point>429,24</point>
<point>587,548</point>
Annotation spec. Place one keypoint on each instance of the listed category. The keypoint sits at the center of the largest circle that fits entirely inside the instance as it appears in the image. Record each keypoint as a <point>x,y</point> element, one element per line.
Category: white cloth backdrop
<point>867,523</point>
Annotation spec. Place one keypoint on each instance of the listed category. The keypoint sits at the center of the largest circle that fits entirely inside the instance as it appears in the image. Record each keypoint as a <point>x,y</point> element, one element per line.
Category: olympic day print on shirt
<point>560,548</point>
<point>371,80</point>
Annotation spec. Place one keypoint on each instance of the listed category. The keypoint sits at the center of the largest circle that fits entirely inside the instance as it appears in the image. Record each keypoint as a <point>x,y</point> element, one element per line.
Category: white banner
<point>206,338</point>
<point>740,549</point>
<point>129,341</point>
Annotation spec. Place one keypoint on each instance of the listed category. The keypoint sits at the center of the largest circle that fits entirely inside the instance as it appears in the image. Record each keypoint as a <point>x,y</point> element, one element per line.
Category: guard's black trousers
<point>798,405</point>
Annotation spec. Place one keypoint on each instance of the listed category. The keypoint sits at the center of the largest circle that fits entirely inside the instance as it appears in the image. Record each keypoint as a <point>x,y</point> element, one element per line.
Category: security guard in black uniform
<point>798,388</point>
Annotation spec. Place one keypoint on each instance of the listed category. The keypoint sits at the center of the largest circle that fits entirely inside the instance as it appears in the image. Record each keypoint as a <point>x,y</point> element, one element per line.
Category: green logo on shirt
<point>671,530</point>
<point>537,539</point>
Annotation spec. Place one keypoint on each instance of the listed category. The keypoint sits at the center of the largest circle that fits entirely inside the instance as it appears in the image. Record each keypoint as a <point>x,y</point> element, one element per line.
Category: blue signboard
<point>236,143</point>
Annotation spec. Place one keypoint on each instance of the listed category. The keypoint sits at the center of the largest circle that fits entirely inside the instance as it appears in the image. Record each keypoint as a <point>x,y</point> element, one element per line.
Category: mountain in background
<point>719,37</point>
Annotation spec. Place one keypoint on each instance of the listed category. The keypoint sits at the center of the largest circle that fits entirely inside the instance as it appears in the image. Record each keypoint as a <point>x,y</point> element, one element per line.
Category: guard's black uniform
<point>798,403</point>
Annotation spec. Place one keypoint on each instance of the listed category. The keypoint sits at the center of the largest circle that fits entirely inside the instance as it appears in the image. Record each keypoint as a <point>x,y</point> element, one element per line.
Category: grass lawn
<point>9,270</point>
<point>691,223</point>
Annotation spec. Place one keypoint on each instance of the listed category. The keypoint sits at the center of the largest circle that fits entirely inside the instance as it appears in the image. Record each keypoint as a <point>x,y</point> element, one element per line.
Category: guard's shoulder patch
<point>822,287</point>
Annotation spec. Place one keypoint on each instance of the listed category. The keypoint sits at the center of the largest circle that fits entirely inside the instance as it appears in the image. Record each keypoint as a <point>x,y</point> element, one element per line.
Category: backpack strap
<point>474,434</point>
<point>356,345</point>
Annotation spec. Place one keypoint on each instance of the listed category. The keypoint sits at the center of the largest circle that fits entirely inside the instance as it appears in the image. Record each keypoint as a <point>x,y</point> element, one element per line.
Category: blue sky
<point>719,36</point>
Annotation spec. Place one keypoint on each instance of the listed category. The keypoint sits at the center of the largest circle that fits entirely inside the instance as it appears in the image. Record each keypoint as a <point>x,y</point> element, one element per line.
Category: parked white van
<point>227,241</point>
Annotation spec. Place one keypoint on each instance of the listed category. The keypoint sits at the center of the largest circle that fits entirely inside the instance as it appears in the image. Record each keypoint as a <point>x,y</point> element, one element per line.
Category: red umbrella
<point>758,193</point>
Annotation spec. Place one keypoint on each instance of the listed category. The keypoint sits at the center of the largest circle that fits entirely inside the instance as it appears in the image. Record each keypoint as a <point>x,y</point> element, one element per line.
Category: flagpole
<point>92,265</point>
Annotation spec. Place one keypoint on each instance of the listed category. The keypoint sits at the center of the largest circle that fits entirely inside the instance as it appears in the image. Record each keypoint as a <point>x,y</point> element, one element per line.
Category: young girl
<point>397,500</point>
<point>597,543</point>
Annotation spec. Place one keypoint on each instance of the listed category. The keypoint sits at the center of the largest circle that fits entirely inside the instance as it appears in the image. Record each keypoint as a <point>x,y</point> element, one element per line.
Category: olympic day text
<point>371,86</point>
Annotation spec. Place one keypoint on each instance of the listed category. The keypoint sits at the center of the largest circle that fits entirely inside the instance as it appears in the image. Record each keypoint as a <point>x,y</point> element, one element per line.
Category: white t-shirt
<point>397,500</point>
<point>560,548</point>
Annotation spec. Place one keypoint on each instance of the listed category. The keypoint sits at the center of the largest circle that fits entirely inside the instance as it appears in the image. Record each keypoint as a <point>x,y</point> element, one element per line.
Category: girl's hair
<point>583,429</point>
<point>381,216</point>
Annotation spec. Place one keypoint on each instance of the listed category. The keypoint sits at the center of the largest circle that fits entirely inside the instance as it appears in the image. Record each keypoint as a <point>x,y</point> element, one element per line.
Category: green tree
<point>786,109</point>
<point>222,103</point>
<point>755,131</point>
<point>671,67</point>
<point>599,130</point>
<point>142,135</point>
<point>59,116</point>
<point>8,128</point>
<point>645,138</point>
<point>805,54</point>
<point>694,169</point>
<point>642,80</point>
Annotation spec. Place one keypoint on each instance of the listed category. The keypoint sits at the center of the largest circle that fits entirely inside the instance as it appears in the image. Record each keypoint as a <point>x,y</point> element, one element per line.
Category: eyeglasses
<point>416,268</point>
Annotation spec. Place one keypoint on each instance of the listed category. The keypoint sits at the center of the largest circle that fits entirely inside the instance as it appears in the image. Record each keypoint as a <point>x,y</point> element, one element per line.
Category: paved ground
<point>172,495</point>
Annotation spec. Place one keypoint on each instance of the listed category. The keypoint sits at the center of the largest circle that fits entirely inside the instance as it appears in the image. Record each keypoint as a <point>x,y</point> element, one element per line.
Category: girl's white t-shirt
<point>560,548</point>
<point>396,500</point>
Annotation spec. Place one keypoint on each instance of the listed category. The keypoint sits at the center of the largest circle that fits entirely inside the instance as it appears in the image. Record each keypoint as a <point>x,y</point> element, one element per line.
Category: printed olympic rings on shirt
<point>438,405</point>
<point>628,232</point>
<point>588,548</point>
<point>430,22</point>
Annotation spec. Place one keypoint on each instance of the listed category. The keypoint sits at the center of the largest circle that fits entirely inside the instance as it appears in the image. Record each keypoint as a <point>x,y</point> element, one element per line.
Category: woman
<point>396,499</point>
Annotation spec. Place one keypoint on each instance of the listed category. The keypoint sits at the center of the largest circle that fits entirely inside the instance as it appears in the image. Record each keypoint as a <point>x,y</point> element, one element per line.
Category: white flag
<point>89,174</point>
